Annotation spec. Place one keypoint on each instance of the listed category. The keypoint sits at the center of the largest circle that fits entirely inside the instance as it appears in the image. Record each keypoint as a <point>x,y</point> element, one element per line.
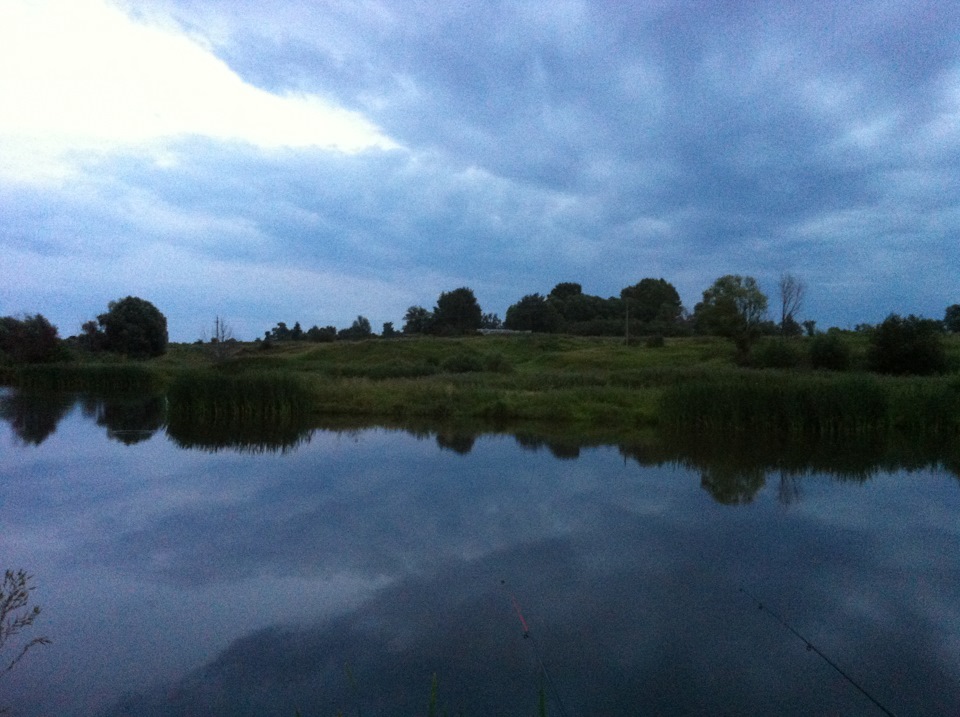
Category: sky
<point>316,161</point>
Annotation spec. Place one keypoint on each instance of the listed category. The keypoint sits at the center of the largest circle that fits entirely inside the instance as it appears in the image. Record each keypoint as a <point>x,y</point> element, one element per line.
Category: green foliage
<point>359,330</point>
<point>951,319</point>
<point>134,327</point>
<point>322,335</point>
<point>463,363</point>
<point>102,378</point>
<point>654,341</point>
<point>829,351</point>
<point>910,345</point>
<point>388,331</point>
<point>733,307</point>
<point>456,313</point>
<point>653,300</point>
<point>417,320</point>
<point>32,339</point>
<point>775,353</point>
<point>812,405</point>
<point>533,313</point>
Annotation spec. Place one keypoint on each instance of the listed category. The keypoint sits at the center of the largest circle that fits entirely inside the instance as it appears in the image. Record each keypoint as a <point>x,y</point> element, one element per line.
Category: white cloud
<point>82,74</point>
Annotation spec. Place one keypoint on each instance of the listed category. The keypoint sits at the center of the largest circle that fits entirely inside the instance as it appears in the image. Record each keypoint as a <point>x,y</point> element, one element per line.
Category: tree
<point>792,292</point>
<point>359,329</point>
<point>653,300</point>
<point>951,319</point>
<point>566,289</point>
<point>388,331</point>
<point>533,313</point>
<point>910,345</point>
<point>222,341</point>
<point>296,333</point>
<point>490,321</point>
<point>733,307</point>
<point>417,320</point>
<point>134,327</point>
<point>32,339</point>
<point>457,312</point>
<point>324,335</point>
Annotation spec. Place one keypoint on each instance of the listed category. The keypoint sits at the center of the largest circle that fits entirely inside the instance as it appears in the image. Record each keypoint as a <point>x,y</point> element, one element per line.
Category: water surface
<point>346,570</point>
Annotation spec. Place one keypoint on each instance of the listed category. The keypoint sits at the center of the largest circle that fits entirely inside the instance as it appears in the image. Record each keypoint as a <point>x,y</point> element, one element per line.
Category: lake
<point>369,571</point>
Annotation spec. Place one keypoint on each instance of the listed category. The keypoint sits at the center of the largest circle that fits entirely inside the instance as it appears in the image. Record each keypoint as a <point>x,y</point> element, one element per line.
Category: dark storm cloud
<point>573,141</point>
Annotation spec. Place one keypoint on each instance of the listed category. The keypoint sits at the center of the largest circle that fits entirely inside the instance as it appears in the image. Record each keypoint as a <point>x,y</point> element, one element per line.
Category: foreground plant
<point>15,613</point>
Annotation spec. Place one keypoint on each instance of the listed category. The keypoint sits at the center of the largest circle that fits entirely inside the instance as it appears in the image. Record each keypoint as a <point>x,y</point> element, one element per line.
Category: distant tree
<point>490,321</point>
<point>388,331</point>
<point>296,333</point>
<point>533,313</point>
<point>910,345</point>
<point>566,289</point>
<point>792,293</point>
<point>457,312</point>
<point>733,307</point>
<point>280,332</point>
<point>951,319</point>
<point>653,300</point>
<point>324,335</point>
<point>222,343</point>
<point>810,327</point>
<point>417,320</point>
<point>359,329</point>
<point>134,327</point>
<point>32,339</point>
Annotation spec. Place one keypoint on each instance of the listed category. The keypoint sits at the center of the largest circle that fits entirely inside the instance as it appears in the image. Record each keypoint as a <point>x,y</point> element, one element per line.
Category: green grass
<point>588,384</point>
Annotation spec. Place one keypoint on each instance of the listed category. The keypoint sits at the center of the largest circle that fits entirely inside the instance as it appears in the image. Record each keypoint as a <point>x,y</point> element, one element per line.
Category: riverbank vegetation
<point>634,361</point>
<point>686,383</point>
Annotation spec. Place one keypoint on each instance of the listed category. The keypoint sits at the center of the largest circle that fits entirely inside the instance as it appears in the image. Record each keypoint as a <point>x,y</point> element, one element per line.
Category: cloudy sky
<point>312,161</point>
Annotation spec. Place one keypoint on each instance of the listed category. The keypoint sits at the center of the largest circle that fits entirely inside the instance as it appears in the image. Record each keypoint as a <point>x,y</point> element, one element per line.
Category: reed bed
<point>99,378</point>
<point>830,405</point>
<point>213,397</point>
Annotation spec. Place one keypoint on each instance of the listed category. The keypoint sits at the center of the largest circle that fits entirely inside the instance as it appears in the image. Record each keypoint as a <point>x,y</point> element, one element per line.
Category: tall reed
<point>811,404</point>
<point>100,378</point>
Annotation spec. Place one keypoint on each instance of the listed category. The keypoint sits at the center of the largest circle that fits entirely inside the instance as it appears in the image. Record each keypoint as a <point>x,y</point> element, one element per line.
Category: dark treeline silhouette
<point>733,307</point>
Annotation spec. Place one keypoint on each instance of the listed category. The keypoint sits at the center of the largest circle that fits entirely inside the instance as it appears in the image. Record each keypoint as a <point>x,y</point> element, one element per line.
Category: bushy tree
<point>566,289</point>
<point>322,335</point>
<point>951,319</point>
<point>457,312</point>
<point>533,313</point>
<point>910,345</point>
<point>829,351</point>
<point>653,300</point>
<point>733,307</point>
<point>32,339</point>
<point>417,320</point>
<point>490,321</point>
<point>134,327</point>
<point>388,331</point>
<point>359,329</point>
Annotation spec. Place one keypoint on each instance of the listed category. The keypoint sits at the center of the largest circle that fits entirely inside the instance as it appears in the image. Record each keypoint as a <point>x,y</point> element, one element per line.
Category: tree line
<point>733,307</point>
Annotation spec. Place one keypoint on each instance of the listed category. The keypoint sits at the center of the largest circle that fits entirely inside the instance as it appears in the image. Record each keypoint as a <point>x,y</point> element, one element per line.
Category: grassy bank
<point>688,383</point>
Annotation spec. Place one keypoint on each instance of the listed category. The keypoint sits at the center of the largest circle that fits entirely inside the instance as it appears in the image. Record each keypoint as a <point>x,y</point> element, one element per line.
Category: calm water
<point>345,571</point>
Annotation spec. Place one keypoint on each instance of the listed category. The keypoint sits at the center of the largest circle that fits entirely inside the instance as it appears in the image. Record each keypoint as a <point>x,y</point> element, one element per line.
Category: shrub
<point>775,353</point>
<point>829,351</point>
<point>462,363</point>
<point>910,345</point>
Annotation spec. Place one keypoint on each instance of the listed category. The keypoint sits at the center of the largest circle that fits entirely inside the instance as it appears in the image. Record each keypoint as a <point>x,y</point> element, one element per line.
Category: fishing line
<point>811,647</point>
<point>536,648</point>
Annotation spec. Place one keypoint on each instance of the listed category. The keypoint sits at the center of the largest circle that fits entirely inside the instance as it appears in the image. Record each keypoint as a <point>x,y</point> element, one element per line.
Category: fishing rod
<point>813,648</point>
<point>536,650</point>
